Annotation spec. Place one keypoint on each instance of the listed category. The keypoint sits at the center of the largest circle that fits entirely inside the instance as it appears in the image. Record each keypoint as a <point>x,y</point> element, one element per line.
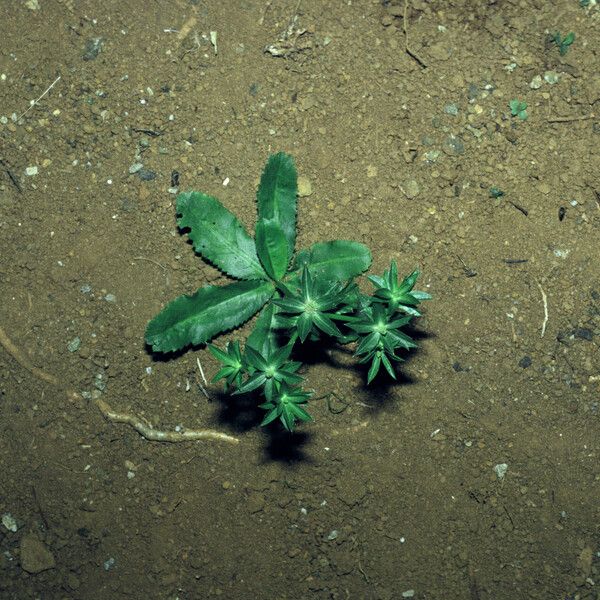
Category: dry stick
<point>406,46</point>
<point>155,262</point>
<point>545,301</point>
<point>34,102</point>
<point>203,378</point>
<point>142,428</point>
<point>570,119</point>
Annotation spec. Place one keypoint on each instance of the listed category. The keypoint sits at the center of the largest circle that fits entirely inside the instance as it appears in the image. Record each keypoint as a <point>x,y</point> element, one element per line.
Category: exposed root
<point>156,435</point>
<point>142,428</point>
<point>24,361</point>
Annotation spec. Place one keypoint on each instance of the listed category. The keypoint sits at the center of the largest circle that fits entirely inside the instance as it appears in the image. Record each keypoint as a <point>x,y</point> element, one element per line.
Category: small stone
<point>146,174</point>
<point>551,77</point>
<point>525,362</point>
<point>411,189</point>
<point>408,594</point>
<point>135,167</point>
<point>31,171</point>
<point>333,535</point>
<point>110,298</point>
<point>536,82</point>
<point>451,109</point>
<point>35,556</point>
<point>432,156</point>
<point>92,48</point>
<point>9,522</point>
<point>304,186</point>
<point>74,344</point>
<point>453,145</point>
<point>500,470</point>
<point>583,333</point>
<point>544,188</point>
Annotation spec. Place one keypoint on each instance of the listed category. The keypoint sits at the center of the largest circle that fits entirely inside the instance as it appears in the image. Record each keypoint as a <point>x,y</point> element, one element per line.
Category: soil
<point>475,476</point>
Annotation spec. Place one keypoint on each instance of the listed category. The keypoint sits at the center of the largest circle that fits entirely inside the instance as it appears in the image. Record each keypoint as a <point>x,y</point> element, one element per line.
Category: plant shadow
<point>242,413</point>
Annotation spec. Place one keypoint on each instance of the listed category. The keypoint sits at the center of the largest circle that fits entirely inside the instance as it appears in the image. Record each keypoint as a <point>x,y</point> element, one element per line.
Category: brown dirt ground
<point>394,496</point>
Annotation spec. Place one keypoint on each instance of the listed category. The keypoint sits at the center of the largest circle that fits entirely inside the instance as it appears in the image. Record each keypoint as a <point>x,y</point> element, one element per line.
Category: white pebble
<point>500,470</point>
<point>9,522</point>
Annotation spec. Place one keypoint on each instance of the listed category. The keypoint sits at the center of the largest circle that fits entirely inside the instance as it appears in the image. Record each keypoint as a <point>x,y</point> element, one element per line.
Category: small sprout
<point>518,108</point>
<point>563,43</point>
<point>496,192</point>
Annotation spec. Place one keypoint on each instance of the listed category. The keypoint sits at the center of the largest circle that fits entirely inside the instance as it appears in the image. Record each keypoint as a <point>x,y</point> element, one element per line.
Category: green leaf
<point>263,338</point>
<point>255,359</point>
<point>388,366</point>
<point>218,235</point>
<point>374,368</point>
<point>277,195</point>
<point>336,260</point>
<point>198,318</point>
<point>272,248</point>
<point>304,325</point>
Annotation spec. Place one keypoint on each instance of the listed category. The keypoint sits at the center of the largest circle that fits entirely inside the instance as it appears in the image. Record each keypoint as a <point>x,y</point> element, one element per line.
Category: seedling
<point>563,43</point>
<point>496,192</point>
<point>307,295</point>
<point>518,108</point>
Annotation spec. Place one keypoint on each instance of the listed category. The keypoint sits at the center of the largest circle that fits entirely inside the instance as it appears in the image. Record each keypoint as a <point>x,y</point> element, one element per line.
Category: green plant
<point>496,192</point>
<point>563,43</point>
<point>518,108</point>
<point>310,295</point>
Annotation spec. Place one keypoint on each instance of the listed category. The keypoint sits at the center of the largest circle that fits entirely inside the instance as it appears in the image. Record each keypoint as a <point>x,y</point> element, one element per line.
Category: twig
<point>412,54</point>
<point>144,429</point>
<point>150,260</point>
<point>156,435</point>
<point>203,379</point>
<point>545,301</point>
<point>11,175</point>
<point>201,371</point>
<point>570,119</point>
<point>519,207</point>
<point>34,102</point>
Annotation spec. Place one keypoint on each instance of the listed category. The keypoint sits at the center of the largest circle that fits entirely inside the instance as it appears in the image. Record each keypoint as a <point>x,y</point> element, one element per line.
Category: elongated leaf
<point>272,248</point>
<point>263,338</point>
<point>198,318</point>
<point>336,260</point>
<point>277,195</point>
<point>218,235</point>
